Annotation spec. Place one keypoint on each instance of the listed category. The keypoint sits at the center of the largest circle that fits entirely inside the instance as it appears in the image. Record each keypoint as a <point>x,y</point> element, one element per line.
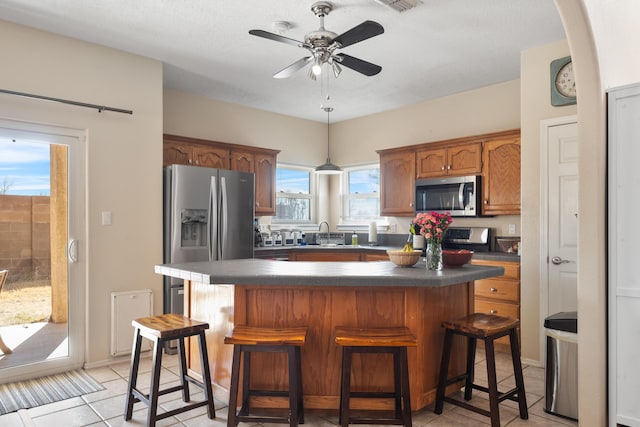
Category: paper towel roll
<point>373,233</point>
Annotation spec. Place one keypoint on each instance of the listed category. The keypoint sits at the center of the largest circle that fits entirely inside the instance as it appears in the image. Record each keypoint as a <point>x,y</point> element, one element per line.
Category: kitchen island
<point>321,296</point>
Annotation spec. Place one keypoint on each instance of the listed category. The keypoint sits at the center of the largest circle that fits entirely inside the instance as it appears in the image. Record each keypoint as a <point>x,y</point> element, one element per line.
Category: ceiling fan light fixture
<point>336,69</point>
<point>317,66</point>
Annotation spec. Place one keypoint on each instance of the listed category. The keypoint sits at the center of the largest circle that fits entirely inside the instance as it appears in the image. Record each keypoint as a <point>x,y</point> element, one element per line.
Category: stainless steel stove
<point>477,239</point>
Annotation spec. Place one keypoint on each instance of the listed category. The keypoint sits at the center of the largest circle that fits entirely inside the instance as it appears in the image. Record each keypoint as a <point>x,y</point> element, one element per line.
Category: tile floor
<point>105,408</point>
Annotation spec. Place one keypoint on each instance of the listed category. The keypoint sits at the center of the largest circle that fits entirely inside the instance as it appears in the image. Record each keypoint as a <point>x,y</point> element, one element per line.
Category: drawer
<point>511,269</point>
<point>502,290</point>
<point>499,308</point>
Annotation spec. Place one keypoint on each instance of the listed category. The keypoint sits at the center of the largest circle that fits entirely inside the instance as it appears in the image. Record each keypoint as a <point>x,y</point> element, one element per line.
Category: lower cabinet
<point>499,295</point>
<point>336,255</point>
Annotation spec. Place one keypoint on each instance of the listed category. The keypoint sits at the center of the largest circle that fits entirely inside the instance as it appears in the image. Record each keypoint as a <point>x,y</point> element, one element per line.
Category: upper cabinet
<point>199,152</point>
<point>501,185</point>
<point>397,182</point>
<point>455,160</point>
<point>495,156</point>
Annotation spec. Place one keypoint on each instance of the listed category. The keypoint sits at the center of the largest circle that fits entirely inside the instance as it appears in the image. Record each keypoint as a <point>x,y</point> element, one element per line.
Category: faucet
<point>320,229</point>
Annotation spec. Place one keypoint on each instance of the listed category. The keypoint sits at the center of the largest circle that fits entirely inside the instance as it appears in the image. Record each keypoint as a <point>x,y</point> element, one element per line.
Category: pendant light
<point>328,168</point>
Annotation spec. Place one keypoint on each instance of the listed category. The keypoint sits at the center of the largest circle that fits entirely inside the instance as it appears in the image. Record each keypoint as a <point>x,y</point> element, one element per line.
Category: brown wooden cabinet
<point>454,160</point>
<point>397,182</point>
<point>337,255</point>
<point>265,170</point>
<point>495,156</point>
<point>501,174</point>
<point>499,295</point>
<point>199,152</point>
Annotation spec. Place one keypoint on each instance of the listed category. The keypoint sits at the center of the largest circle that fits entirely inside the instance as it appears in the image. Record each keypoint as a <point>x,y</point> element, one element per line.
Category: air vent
<point>400,5</point>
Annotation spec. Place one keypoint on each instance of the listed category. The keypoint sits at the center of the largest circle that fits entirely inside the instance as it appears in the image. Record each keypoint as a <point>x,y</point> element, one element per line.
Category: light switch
<point>512,229</point>
<point>106,218</point>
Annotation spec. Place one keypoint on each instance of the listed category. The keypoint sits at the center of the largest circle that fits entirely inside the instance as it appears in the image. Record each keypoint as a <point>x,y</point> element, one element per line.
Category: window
<point>293,194</point>
<point>361,193</point>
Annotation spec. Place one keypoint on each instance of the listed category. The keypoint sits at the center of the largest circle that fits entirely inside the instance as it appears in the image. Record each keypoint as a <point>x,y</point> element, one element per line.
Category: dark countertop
<point>307,273</point>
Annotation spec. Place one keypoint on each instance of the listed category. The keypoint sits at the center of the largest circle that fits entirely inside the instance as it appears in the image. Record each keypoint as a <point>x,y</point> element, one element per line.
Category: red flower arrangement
<point>431,225</point>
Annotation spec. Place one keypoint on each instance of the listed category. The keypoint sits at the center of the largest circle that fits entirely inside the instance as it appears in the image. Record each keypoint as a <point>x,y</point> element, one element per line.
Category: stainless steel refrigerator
<point>208,216</point>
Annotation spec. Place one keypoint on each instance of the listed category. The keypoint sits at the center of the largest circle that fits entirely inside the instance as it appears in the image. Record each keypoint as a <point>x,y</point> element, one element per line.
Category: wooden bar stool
<point>375,341</point>
<point>161,329</point>
<point>488,328</point>
<point>247,340</point>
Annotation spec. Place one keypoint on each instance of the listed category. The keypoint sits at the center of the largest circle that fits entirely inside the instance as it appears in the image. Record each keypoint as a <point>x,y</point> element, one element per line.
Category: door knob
<point>556,260</point>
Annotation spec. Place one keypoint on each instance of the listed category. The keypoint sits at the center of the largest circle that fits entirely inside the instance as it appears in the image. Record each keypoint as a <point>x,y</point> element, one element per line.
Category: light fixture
<point>328,168</point>
<point>316,69</point>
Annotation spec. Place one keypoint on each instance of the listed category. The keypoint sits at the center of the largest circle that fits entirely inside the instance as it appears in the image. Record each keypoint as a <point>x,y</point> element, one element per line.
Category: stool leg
<point>397,381</point>
<point>133,374</point>
<point>444,371</point>
<point>404,372</point>
<point>345,389</point>
<point>492,382</point>
<point>233,392</point>
<point>155,384</point>
<point>183,370</point>
<point>293,387</point>
<point>298,357</point>
<point>246,381</point>
<point>471,363</point>
<point>517,371</point>
<point>206,376</point>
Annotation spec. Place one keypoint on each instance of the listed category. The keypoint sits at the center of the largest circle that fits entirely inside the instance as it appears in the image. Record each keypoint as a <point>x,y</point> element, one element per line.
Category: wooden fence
<point>25,242</point>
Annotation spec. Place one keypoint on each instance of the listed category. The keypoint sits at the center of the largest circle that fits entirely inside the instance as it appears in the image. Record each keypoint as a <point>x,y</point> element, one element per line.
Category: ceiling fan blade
<point>364,67</point>
<point>288,71</point>
<point>275,37</point>
<point>361,32</point>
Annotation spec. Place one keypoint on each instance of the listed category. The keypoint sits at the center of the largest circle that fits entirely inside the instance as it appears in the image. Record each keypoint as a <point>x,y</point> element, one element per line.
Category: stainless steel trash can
<point>561,368</point>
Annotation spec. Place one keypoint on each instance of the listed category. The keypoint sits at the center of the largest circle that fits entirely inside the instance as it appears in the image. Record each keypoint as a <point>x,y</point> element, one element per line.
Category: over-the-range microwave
<point>460,196</point>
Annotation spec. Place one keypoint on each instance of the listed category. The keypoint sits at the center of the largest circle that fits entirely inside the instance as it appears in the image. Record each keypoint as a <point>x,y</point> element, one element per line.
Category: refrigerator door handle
<point>224,217</point>
<point>212,231</point>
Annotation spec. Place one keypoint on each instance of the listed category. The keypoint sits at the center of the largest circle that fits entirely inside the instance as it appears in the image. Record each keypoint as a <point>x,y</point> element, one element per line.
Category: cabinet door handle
<point>493,290</point>
<point>449,167</point>
<point>486,202</point>
<point>442,168</point>
<point>492,311</point>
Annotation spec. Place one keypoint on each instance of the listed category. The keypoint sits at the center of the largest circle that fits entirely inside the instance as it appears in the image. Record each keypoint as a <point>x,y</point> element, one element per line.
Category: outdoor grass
<point>25,302</point>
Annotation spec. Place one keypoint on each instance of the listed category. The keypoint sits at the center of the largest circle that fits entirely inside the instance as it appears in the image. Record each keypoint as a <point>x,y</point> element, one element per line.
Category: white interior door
<point>562,218</point>
<point>66,350</point>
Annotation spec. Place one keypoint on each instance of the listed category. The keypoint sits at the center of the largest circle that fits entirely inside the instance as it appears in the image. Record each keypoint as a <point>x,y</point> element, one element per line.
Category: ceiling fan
<point>322,46</point>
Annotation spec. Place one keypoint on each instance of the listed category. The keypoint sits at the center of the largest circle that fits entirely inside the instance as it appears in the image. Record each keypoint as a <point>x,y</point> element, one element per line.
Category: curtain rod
<point>100,108</point>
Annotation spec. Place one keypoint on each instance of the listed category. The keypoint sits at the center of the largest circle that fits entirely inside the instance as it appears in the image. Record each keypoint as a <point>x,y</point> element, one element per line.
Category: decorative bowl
<point>404,258</point>
<point>456,257</point>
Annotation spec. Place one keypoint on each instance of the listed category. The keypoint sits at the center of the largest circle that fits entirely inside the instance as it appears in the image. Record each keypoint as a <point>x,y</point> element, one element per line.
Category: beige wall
<point>123,156</point>
<point>535,107</point>
<point>303,142</point>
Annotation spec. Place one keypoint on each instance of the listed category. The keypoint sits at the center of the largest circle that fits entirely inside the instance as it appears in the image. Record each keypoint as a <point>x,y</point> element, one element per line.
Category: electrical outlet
<point>512,229</point>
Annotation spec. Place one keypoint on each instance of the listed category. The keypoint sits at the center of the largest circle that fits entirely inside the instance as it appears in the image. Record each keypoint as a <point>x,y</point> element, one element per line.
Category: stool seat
<point>487,328</point>
<point>375,337</point>
<point>250,339</point>
<point>169,326</point>
<point>161,329</point>
<point>251,335</point>
<point>482,324</point>
<point>391,340</point>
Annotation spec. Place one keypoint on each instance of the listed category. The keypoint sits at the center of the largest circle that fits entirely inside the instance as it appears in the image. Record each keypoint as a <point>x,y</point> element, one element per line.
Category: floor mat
<point>49,389</point>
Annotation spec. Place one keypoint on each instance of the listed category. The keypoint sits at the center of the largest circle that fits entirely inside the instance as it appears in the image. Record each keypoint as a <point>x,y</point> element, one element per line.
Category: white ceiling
<point>439,48</point>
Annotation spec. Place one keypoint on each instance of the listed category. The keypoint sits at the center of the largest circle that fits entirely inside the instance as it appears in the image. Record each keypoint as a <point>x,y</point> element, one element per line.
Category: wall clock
<point>563,84</point>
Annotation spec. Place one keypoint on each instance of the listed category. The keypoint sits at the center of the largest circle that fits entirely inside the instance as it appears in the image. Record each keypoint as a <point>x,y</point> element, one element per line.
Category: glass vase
<point>434,256</point>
